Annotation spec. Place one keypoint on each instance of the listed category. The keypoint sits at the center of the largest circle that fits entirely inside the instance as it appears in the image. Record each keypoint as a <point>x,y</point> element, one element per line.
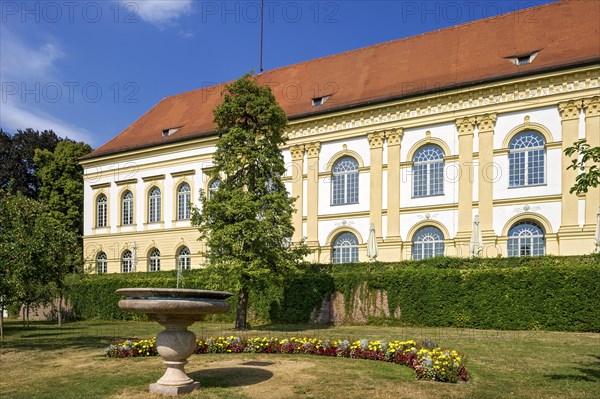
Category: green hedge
<point>551,293</point>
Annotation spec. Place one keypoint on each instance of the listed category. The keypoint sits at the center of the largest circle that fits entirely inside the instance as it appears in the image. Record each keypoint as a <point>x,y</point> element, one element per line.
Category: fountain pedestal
<point>176,310</point>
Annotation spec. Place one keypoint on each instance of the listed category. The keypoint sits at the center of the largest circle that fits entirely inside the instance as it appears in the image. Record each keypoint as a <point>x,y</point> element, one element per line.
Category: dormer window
<point>524,59</point>
<point>168,132</point>
<point>317,101</point>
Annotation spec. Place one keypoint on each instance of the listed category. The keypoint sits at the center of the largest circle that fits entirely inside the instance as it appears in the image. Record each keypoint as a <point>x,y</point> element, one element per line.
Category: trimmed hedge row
<point>550,293</point>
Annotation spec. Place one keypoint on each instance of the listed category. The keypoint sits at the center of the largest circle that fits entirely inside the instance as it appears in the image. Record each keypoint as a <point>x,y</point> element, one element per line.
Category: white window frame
<point>127,208</point>
<point>345,181</point>
<point>184,200</point>
<point>154,205</point>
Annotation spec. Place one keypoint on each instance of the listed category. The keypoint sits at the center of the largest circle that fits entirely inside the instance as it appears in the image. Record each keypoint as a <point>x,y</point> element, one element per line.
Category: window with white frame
<point>184,200</point>
<point>127,262</point>
<point>184,259</point>
<point>344,181</point>
<point>526,159</point>
<point>154,205</point>
<point>213,187</point>
<point>428,242</point>
<point>154,264</point>
<point>345,248</point>
<point>127,205</point>
<point>428,171</point>
<point>101,263</point>
<point>101,209</point>
<point>526,239</point>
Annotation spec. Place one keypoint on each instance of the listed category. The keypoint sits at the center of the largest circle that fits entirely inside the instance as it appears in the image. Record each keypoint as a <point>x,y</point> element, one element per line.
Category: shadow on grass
<point>230,377</point>
<point>291,327</point>
<point>590,372</point>
<point>47,337</point>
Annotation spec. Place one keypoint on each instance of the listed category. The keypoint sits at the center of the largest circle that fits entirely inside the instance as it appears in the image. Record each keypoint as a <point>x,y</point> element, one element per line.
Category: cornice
<point>475,100</point>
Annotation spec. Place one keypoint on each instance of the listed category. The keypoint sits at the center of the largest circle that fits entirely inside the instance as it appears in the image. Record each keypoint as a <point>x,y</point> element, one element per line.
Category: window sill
<point>427,196</point>
<point>346,203</point>
<point>528,185</point>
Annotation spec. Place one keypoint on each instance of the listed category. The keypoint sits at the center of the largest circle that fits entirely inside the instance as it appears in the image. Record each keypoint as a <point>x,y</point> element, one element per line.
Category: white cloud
<point>22,61</point>
<point>161,12</point>
<point>17,115</point>
<point>24,65</point>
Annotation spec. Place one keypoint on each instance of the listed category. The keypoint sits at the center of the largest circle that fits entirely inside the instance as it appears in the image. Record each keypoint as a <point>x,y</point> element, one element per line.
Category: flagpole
<point>262,17</point>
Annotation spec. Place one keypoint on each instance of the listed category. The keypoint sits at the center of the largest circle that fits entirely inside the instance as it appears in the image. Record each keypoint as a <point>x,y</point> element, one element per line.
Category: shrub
<point>551,293</point>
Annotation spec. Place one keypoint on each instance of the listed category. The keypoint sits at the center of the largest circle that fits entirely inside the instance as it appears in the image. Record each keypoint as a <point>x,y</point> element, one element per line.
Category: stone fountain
<point>176,310</point>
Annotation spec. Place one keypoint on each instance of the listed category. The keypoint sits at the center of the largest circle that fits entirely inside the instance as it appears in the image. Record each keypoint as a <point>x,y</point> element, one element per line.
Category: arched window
<point>184,259</point>
<point>101,202</point>
<point>526,159</point>
<point>428,242</point>
<point>345,248</point>
<point>101,263</point>
<point>213,187</point>
<point>344,187</point>
<point>428,171</point>
<point>127,262</point>
<point>154,205</point>
<point>127,216</point>
<point>526,239</point>
<point>154,264</point>
<point>184,199</point>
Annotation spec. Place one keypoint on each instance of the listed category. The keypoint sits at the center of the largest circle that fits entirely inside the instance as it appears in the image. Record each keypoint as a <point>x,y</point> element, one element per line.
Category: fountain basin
<point>175,309</point>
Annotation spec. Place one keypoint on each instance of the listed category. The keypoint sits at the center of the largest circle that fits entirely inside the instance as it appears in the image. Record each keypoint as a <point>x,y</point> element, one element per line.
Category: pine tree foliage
<point>246,223</point>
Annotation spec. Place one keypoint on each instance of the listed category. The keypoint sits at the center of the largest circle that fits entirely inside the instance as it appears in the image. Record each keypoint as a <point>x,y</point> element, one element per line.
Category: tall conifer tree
<point>247,223</point>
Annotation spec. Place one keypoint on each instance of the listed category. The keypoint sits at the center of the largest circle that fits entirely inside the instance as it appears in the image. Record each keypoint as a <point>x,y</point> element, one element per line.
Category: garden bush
<point>550,293</point>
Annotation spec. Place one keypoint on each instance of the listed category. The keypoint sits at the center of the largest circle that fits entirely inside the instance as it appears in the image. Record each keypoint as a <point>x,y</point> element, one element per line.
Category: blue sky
<point>88,69</point>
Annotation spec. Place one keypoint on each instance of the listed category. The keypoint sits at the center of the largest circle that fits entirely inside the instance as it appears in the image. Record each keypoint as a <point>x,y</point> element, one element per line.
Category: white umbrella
<point>134,256</point>
<point>476,239</point>
<point>597,249</point>
<point>372,244</point>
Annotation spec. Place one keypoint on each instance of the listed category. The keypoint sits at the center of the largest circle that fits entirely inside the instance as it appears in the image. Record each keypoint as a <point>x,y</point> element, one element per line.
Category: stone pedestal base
<point>173,390</point>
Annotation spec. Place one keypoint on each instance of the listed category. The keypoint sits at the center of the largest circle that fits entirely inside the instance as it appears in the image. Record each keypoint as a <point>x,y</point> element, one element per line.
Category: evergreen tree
<point>246,223</point>
<point>61,182</point>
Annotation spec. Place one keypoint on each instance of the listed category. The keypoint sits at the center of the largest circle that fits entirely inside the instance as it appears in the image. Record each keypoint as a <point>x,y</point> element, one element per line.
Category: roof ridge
<point>386,43</point>
<point>402,39</point>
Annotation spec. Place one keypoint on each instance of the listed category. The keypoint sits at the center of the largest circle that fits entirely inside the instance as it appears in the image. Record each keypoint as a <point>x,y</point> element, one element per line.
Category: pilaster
<point>591,107</point>
<point>312,192</point>
<point>297,153</point>
<point>465,127</point>
<point>569,112</point>
<point>394,140</point>
<point>485,172</point>
<point>376,179</point>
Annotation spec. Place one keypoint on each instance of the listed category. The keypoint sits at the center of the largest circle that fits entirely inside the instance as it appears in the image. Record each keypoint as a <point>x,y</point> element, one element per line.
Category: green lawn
<point>47,361</point>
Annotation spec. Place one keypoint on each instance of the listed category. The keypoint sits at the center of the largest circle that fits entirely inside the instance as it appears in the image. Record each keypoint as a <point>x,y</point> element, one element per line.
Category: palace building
<point>446,143</point>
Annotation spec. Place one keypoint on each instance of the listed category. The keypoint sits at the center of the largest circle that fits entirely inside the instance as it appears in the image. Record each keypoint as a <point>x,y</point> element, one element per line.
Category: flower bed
<point>429,361</point>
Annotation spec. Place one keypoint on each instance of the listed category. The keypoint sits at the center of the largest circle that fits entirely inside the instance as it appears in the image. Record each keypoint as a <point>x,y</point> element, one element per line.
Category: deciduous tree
<point>587,162</point>
<point>17,172</point>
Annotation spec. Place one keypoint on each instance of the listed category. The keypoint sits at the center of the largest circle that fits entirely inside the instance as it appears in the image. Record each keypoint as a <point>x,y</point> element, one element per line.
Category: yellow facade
<point>473,127</point>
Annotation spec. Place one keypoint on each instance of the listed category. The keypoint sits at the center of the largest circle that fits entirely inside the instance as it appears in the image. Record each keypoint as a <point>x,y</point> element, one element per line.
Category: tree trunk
<point>2,321</point>
<point>242,309</point>
<point>60,299</point>
<point>27,315</point>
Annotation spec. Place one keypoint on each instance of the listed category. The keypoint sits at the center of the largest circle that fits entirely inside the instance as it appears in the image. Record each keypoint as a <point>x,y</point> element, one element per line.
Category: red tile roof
<point>566,33</point>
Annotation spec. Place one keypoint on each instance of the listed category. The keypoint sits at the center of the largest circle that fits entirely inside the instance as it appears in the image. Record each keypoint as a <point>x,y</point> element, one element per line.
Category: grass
<point>47,361</point>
